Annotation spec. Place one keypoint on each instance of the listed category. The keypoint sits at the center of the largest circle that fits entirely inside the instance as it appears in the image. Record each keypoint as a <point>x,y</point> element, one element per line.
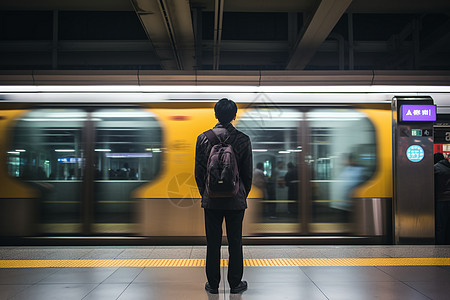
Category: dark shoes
<point>242,286</point>
<point>209,289</point>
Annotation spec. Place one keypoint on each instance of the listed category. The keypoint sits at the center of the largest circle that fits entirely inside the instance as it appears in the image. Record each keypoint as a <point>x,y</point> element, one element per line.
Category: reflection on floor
<point>388,272</point>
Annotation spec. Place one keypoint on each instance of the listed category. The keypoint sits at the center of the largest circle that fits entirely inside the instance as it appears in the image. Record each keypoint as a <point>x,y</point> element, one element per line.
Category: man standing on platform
<point>222,204</point>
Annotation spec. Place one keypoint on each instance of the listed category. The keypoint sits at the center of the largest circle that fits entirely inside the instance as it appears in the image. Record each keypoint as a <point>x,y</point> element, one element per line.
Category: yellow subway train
<point>88,161</point>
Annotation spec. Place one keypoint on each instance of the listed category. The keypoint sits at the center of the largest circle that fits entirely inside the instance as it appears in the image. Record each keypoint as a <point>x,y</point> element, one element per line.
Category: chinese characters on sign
<point>418,112</point>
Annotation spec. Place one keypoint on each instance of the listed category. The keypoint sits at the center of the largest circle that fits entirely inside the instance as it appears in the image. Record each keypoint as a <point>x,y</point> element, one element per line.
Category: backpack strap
<point>212,137</point>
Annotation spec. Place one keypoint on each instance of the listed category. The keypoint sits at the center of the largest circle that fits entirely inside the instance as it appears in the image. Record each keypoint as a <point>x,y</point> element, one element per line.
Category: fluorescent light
<point>21,150</point>
<point>284,152</point>
<point>232,89</point>
<point>259,150</point>
<point>13,152</point>
<point>102,150</point>
<point>64,150</point>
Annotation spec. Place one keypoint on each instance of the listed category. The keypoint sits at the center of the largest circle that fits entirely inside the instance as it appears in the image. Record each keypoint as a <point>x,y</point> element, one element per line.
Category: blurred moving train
<point>92,161</point>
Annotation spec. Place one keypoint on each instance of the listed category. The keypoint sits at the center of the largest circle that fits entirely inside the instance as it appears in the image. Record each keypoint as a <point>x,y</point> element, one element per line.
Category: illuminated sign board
<point>128,155</point>
<point>418,112</point>
<point>70,160</point>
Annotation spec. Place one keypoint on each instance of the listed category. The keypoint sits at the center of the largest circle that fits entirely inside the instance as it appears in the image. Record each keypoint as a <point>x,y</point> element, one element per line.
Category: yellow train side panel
<point>181,128</point>
<point>380,185</point>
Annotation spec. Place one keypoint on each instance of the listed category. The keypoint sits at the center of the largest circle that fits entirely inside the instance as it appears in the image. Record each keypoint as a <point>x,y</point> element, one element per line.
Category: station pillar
<point>413,175</point>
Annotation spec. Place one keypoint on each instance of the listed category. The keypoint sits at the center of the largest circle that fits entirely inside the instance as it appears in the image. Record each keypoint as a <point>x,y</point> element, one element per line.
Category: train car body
<point>95,162</point>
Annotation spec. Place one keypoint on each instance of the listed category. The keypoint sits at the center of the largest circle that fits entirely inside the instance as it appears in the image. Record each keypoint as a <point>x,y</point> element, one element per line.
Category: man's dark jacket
<point>243,152</point>
<point>442,180</point>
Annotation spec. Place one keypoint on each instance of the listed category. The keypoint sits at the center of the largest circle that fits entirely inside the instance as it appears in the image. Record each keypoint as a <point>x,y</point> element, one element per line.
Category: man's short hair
<point>225,110</point>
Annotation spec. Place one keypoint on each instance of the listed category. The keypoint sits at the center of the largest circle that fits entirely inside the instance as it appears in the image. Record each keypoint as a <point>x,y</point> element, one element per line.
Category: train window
<point>127,154</point>
<point>275,143</point>
<point>128,144</point>
<point>47,145</point>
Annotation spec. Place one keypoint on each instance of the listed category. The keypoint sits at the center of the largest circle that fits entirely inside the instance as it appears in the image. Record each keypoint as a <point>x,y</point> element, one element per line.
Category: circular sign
<point>415,153</point>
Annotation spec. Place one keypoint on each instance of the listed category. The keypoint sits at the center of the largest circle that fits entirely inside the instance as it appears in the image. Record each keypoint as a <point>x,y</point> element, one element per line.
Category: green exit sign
<point>416,132</point>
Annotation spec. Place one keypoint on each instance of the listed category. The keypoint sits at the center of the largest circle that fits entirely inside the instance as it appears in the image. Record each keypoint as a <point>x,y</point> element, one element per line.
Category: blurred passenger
<point>281,172</point>
<point>276,190</point>
<point>41,173</point>
<point>259,179</point>
<point>27,173</point>
<point>442,200</point>
<point>230,208</point>
<point>133,174</point>
<point>112,174</point>
<point>291,180</point>
<point>71,175</point>
<point>350,177</point>
<point>124,172</point>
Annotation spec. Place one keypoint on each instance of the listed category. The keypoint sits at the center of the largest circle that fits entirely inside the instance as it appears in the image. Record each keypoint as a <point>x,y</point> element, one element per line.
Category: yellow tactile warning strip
<point>276,262</point>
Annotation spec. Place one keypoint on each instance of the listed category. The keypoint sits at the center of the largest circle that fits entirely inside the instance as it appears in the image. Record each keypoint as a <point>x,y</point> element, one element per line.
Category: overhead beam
<point>315,31</point>
<point>168,25</point>
<point>218,22</point>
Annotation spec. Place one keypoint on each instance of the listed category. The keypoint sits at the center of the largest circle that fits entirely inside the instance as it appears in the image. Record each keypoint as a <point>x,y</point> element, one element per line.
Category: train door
<point>312,160</point>
<point>127,153</point>
<point>84,165</point>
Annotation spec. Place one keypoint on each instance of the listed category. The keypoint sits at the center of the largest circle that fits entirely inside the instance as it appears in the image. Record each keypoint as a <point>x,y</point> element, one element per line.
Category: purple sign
<point>418,112</point>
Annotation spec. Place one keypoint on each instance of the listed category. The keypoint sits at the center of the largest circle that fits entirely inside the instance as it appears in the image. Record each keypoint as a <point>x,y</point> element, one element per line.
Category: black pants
<point>213,225</point>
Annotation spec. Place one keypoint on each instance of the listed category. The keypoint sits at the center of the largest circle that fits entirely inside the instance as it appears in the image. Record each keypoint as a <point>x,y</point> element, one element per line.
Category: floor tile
<point>168,291</point>
<point>275,291</point>
<point>25,275</point>
<point>9,290</point>
<point>136,254</point>
<point>55,292</point>
<point>172,252</point>
<point>417,273</point>
<point>275,274</point>
<point>198,253</point>
<point>123,275</point>
<point>369,290</point>
<point>188,274</point>
<point>304,252</point>
<point>267,252</point>
<point>103,253</point>
<point>434,290</point>
<point>80,275</point>
<point>353,252</point>
<point>106,291</point>
<point>346,274</point>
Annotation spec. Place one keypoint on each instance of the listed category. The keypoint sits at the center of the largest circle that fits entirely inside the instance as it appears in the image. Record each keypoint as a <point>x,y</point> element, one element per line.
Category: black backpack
<point>222,173</point>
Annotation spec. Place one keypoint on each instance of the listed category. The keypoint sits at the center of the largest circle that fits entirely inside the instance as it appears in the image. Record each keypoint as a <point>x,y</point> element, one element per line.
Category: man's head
<point>225,110</point>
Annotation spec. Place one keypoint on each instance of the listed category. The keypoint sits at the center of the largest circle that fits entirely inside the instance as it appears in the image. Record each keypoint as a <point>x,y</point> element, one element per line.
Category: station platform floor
<point>272,272</point>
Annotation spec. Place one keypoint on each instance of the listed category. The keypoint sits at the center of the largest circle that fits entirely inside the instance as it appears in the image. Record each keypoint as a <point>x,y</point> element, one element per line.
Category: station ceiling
<point>225,35</point>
